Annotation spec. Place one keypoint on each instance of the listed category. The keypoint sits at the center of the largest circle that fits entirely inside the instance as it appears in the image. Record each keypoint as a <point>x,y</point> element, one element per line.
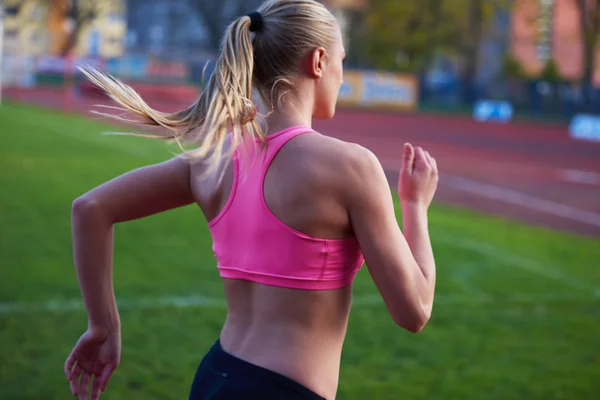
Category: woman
<point>291,213</point>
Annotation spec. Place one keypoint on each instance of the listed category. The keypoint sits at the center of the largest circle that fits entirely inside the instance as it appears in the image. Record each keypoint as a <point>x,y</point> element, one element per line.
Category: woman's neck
<point>292,113</point>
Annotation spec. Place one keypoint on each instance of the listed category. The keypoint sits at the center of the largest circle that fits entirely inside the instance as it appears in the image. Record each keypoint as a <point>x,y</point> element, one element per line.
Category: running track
<point>529,172</point>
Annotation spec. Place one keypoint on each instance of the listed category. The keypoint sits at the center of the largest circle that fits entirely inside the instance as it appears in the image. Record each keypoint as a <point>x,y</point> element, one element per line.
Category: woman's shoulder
<point>333,148</point>
<point>332,160</point>
<point>342,153</point>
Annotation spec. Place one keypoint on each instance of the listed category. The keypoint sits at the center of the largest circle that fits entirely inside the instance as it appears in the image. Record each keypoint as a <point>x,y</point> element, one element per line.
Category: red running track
<point>530,172</point>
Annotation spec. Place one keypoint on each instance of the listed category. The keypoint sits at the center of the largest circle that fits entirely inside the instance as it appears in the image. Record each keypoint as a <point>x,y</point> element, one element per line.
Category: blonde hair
<point>266,59</point>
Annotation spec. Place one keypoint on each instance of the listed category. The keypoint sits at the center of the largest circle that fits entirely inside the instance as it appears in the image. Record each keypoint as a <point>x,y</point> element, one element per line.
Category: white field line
<point>520,199</point>
<point>183,302</point>
<point>587,292</point>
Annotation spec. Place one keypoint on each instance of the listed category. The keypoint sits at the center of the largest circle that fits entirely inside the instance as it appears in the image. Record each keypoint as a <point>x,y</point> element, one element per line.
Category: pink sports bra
<point>251,243</point>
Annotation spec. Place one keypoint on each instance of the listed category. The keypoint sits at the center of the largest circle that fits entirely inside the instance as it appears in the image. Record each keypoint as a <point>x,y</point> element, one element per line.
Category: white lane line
<point>124,304</point>
<point>579,176</point>
<point>182,302</point>
<point>521,199</point>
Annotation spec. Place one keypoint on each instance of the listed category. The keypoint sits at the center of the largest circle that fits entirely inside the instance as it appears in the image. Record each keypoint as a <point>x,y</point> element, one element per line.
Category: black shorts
<point>222,376</point>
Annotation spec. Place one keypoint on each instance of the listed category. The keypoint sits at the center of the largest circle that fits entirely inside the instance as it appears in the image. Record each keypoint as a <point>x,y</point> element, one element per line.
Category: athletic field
<point>517,312</point>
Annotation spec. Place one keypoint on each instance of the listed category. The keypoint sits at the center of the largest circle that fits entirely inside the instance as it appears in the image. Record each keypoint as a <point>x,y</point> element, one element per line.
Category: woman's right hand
<point>96,355</point>
<point>418,177</point>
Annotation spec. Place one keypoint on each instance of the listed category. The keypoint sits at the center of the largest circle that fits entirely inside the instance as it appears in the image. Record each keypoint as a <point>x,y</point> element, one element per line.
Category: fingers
<point>417,158</point>
<point>96,388</point>
<point>421,159</point>
<point>74,374</point>
<point>427,158</point>
<point>69,364</point>
<point>105,376</point>
<point>73,371</point>
<point>83,386</point>
<point>432,162</point>
<point>79,380</point>
<point>424,161</point>
<point>408,158</point>
<point>73,385</point>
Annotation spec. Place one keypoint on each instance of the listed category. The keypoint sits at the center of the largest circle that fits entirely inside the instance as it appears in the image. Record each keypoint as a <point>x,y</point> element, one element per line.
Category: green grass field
<point>517,313</point>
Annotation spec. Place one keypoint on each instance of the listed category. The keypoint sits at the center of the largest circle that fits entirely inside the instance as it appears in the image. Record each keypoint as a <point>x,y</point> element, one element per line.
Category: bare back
<point>297,333</point>
<point>317,186</point>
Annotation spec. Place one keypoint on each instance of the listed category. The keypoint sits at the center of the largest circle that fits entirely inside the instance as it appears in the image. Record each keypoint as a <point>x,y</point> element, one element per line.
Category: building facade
<point>558,29</point>
<point>42,27</point>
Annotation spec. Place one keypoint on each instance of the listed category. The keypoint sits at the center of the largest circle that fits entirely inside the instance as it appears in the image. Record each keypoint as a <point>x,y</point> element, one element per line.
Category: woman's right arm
<point>136,194</point>
<point>133,195</point>
<point>402,265</point>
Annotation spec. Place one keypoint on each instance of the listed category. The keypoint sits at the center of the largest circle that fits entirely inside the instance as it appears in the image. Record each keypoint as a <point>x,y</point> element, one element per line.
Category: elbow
<point>417,325</point>
<point>85,207</point>
<point>414,322</point>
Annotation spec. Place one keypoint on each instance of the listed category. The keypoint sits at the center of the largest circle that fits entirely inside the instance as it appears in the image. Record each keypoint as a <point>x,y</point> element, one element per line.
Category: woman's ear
<point>317,62</point>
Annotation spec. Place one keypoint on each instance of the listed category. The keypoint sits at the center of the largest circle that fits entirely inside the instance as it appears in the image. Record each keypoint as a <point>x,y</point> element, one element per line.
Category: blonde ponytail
<point>224,106</point>
<point>288,30</point>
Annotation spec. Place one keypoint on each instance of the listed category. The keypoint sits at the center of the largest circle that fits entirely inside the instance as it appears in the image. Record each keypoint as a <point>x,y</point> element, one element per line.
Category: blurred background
<point>504,93</point>
<point>538,55</point>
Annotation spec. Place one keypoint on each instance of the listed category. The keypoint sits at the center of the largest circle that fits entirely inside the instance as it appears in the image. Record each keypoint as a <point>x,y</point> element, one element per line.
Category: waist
<point>227,364</point>
<point>296,333</point>
<point>289,352</point>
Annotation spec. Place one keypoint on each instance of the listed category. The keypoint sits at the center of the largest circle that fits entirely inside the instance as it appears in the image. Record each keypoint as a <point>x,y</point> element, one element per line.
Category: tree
<point>217,14</point>
<point>405,35</point>
<point>79,17</point>
<point>475,20</point>
<point>589,14</point>
<point>474,25</point>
